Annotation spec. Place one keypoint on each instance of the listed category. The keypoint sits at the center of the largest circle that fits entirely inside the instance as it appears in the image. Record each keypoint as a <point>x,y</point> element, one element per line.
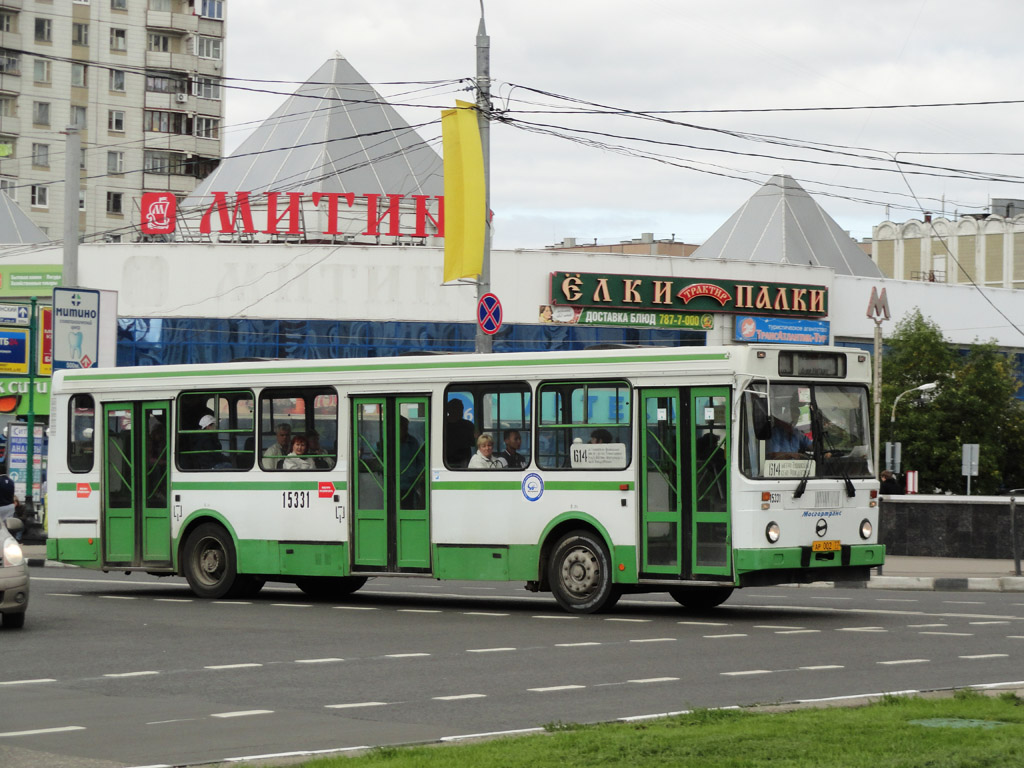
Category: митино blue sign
<point>781,330</point>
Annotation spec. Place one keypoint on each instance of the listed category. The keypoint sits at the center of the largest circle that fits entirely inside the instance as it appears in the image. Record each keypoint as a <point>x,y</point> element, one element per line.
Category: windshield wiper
<point>818,425</point>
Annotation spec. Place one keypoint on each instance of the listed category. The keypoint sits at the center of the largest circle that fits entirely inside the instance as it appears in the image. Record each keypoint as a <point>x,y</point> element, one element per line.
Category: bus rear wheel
<point>328,587</point>
<point>580,572</point>
<point>700,598</point>
<point>210,564</point>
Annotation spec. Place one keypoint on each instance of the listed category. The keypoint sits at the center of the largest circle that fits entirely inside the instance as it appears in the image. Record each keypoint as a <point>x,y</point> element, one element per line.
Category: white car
<point>13,576</point>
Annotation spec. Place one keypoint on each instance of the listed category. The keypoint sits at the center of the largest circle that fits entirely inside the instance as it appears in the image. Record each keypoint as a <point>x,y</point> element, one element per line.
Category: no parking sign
<point>488,314</point>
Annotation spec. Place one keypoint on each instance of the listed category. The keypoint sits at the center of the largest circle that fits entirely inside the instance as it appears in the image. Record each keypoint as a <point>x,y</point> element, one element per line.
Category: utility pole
<point>878,310</point>
<point>483,116</point>
<point>72,185</point>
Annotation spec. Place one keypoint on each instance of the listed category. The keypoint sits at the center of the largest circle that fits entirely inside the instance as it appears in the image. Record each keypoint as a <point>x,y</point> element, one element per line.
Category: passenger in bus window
<point>411,467</point>
<point>484,457</point>
<point>315,451</point>
<point>459,435</point>
<point>786,441</point>
<point>601,436</point>
<point>298,458</point>
<point>206,446</point>
<point>280,449</point>
<point>513,459</point>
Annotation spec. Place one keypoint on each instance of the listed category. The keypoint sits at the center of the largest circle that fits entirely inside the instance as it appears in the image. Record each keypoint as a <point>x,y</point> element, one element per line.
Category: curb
<point>948,584</point>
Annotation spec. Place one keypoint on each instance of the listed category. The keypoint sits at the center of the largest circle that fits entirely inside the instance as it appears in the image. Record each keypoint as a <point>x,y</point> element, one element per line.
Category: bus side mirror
<point>759,412</point>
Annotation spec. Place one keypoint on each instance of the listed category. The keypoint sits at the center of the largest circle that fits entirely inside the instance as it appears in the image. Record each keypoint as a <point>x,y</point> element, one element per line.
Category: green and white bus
<point>691,471</point>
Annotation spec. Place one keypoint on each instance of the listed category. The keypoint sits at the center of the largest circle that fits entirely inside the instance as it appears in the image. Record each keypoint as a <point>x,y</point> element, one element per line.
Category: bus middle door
<point>391,499</point>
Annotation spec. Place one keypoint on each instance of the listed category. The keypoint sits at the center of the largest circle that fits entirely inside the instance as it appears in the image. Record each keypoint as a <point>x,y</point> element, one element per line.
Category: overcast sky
<point>649,55</point>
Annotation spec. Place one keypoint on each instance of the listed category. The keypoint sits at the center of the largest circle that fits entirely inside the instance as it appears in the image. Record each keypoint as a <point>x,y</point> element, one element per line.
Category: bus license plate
<point>831,545</point>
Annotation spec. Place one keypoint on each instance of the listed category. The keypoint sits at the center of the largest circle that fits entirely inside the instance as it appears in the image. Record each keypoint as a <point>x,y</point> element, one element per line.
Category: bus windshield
<point>797,430</point>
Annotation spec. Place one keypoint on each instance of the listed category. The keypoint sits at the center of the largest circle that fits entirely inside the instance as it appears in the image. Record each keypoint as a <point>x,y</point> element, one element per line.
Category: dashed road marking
<point>575,645</point>
<point>357,704</point>
<point>244,713</point>
<point>232,666</point>
<point>632,621</point>
<point>30,682</point>
<point>797,631</point>
<point>404,655</point>
<point>654,640</point>
<point>132,674</point>
<point>41,731</point>
<point>327,660</point>
<point>986,656</point>
<point>723,637</point>
<point>556,688</point>
<point>647,680</point>
<point>949,634</point>
<point>748,672</point>
<point>483,613</point>
<point>460,697</point>
<point>823,667</point>
<point>489,650</point>
<point>862,629</point>
<point>903,661</point>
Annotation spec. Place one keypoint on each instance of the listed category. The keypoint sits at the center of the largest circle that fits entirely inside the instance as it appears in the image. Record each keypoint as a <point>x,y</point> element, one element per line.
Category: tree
<point>974,403</point>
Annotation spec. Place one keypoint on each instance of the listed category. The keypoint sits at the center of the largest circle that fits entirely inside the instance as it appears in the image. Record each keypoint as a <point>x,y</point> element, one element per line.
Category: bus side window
<point>499,409</point>
<point>591,413</point>
<point>81,433</point>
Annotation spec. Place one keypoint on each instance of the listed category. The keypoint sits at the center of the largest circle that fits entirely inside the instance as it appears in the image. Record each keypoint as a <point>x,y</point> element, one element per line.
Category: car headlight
<point>866,529</point>
<point>12,553</point>
<point>772,532</point>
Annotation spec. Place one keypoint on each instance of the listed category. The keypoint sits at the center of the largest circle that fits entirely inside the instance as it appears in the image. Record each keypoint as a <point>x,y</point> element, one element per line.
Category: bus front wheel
<point>700,598</point>
<point>210,564</point>
<point>580,573</point>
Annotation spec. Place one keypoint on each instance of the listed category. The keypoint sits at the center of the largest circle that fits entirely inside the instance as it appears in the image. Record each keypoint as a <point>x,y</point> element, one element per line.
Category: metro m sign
<point>158,213</point>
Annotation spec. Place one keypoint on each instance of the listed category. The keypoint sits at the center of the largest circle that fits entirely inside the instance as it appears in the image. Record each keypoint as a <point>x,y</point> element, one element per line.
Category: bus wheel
<point>700,598</point>
<point>580,572</point>
<point>209,562</point>
<point>328,587</point>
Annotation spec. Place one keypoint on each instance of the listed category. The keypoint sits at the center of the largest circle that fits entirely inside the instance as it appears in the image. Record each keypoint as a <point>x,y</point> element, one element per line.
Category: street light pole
<point>929,387</point>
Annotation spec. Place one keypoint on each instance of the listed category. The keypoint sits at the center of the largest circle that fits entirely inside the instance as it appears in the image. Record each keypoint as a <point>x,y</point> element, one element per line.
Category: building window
<point>78,75</point>
<point>115,162</point>
<point>119,39</point>
<point>212,9</point>
<point>44,30</point>
<point>157,161</point>
<point>117,80</point>
<point>119,5</point>
<point>207,127</point>
<point>10,63</point>
<point>115,203</point>
<point>9,186</point>
<point>208,47</point>
<point>207,88</point>
<point>41,71</point>
<point>159,43</point>
<point>7,104</point>
<point>78,116</point>
<point>167,122</point>
<point>40,196</point>
<point>160,5</point>
<point>166,84</point>
<point>79,34</point>
<point>115,120</point>
<point>40,113</point>
<point>81,199</point>
<point>41,155</point>
<point>8,22</point>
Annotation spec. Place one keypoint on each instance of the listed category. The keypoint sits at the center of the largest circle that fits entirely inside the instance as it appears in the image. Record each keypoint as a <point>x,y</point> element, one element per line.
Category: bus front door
<point>684,515</point>
<point>136,514</point>
<point>391,499</point>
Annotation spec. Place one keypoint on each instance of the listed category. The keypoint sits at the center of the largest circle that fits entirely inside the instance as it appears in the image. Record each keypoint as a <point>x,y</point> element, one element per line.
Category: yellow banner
<point>465,208</point>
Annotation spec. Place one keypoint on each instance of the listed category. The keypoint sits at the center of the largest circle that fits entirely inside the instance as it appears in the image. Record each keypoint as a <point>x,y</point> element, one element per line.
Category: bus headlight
<point>772,532</point>
<point>866,529</point>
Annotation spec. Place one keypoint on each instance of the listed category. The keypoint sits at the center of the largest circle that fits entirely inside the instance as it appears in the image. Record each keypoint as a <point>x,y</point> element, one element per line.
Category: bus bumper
<point>801,565</point>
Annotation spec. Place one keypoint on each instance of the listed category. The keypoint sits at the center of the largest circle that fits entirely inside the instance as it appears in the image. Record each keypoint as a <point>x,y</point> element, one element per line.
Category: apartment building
<point>141,80</point>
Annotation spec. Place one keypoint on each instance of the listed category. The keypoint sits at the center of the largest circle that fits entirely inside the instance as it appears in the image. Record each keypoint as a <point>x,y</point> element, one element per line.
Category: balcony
<point>168,20</point>
<point>168,182</point>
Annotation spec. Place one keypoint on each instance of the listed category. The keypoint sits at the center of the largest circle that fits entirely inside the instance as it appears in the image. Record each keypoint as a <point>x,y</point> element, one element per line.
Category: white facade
<point>139,79</point>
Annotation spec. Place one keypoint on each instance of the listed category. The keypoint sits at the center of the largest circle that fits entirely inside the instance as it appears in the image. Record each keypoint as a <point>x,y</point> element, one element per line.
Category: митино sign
<point>284,213</point>
<point>682,294</point>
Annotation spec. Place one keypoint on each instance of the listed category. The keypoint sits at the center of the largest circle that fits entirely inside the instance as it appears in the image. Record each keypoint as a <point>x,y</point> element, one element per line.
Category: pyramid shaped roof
<point>781,223</point>
<point>334,134</point>
<point>15,225</point>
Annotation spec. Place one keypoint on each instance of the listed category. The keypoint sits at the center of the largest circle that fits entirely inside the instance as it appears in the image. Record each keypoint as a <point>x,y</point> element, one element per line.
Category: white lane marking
<point>1015,637</point>
<point>987,656</point>
<point>748,672</point>
<point>354,608</point>
<point>172,600</point>
<point>328,660</point>
<point>721,637</point>
<point>132,674</point>
<point>556,618</point>
<point>632,621</point>
<point>983,623</point>
<point>831,598</point>
<point>492,734</point>
<point>949,634</point>
<point>232,602</point>
<point>964,602</point>
<point>61,594</point>
<point>39,731</point>
<point>29,682</point>
<point>861,629</point>
<point>774,626</point>
<point>244,713</point>
<point>404,655</point>
<point>655,640</point>
<point>357,704</point>
<point>897,600</point>
<point>483,613</point>
<point>703,623</point>
<point>925,626</point>
<point>821,667</point>
<point>418,610</point>
<point>292,605</point>
<point>654,680</point>
<point>277,755</point>
<point>232,666</point>
<point>117,597</point>
<point>556,688</point>
<point>904,661</point>
<point>797,631</point>
<point>169,722</point>
<point>857,696</point>
<point>460,697</point>
<point>489,650</point>
<point>574,645</point>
